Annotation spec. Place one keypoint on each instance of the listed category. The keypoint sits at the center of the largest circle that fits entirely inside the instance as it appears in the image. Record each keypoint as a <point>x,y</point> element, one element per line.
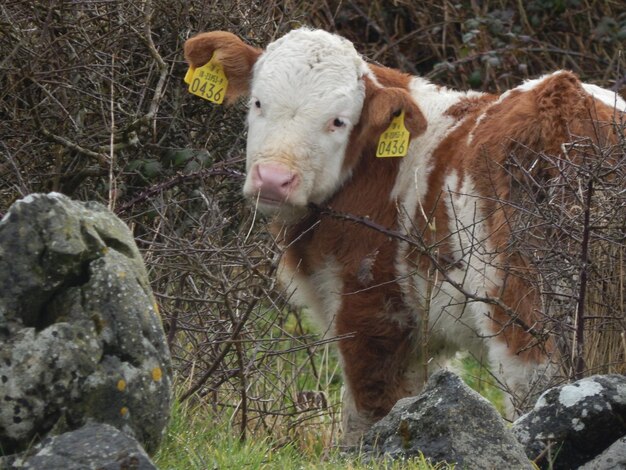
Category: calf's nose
<point>274,181</point>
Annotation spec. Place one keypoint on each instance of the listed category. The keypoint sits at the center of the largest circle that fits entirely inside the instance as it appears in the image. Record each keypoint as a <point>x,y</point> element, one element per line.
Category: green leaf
<point>475,79</point>
<point>152,169</point>
<point>135,165</point>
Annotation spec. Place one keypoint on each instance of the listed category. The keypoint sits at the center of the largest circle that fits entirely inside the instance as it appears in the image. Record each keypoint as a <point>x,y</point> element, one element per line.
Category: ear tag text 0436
<point>208,82</point>
<point>394,142</point>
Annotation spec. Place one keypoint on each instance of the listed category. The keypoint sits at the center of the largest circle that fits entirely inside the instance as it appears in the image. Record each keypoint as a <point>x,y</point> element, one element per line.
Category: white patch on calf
<point>523,380</point>
<point>461,321</point>
<point>529,84</point>
<point>608,97</point>
<point>435,100</point>
<point>469,236</point>
<point>411,186</point>
<point>321,292</point>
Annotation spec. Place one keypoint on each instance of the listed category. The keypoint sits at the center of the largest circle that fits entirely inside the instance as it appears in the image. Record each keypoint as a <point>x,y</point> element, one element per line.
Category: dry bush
<point>571,225</point>
<point>489,45</point>
<point>92,104</point>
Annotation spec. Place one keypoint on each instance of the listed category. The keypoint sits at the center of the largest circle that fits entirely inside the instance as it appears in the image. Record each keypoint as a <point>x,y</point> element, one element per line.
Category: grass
<point>197,438</point>
<point>480,379</point>
<point>204,435</point>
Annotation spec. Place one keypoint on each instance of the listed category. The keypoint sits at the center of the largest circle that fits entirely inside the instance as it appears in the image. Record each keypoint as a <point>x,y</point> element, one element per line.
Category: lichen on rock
<point>449,422</point>
<point>574,423</point>
<point>77,318</point>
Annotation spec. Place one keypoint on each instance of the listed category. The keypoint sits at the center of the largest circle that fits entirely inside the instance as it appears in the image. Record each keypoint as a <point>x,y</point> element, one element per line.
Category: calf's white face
<point>306,95</point>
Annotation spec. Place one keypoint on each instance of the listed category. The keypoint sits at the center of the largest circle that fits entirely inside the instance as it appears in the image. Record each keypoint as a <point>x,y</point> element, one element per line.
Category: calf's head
<point>314,106</point>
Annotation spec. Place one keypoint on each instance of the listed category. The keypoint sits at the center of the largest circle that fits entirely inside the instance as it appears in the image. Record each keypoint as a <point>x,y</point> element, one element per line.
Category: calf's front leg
<point>375,362</point>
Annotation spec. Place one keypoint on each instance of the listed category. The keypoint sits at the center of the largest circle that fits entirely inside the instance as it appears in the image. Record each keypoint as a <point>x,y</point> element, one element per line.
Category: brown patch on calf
<point>375,357</point>
<point>391,77</point>
<point>450,155</point>
<point>573,113</point>
<point>525,123</point>
<point>518,325</point>
<point>236,57</point>
<point>381,105</point>
<point>469,105</point>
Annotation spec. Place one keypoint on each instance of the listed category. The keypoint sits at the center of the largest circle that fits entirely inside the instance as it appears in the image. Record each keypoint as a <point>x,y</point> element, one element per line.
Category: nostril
<point>288,182</point>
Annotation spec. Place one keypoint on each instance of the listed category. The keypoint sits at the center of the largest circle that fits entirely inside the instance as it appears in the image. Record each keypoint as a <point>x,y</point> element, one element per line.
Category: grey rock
<point>447,421</point>
<point>572,424</point>
<point>80,334</point>
<point>94,446</point>
<point>613,458</point>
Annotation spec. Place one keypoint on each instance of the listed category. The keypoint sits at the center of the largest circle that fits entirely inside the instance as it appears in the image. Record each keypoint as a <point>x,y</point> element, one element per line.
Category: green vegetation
<point>481,379</point>
<point>202,435</point>
<point>199,439</point>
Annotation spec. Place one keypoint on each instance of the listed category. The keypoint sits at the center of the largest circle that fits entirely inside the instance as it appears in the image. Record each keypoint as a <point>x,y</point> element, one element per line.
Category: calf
<point>420,265</point>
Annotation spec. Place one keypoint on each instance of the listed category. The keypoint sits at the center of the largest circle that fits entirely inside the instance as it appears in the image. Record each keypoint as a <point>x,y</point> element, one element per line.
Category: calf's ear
<point>383,104</point>
<point>236,57</point>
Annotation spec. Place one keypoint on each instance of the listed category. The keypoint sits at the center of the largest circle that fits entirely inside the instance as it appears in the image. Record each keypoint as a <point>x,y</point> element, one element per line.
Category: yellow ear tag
<point>209,82</point>
<point>394,142</point>
<point>189,75</point>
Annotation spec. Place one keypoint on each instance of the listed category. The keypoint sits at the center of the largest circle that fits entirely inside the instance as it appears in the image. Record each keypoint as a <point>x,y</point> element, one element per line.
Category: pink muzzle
<point>273,182</point>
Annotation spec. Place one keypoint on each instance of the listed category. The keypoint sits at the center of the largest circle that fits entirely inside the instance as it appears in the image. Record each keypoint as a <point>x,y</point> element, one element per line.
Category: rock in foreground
<point>80,337</point>
<point>613,458</point>
<point>574,423</point>
<point>93,446</point>
<point>447,421</point>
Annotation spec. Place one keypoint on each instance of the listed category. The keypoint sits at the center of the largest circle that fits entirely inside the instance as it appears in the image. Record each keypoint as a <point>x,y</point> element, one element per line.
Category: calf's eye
<point>337,123</point>
<point>257,104</point>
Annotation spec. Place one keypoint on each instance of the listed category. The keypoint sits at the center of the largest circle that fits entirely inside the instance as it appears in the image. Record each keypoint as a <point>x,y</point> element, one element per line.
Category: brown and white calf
<point>316,112</point>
